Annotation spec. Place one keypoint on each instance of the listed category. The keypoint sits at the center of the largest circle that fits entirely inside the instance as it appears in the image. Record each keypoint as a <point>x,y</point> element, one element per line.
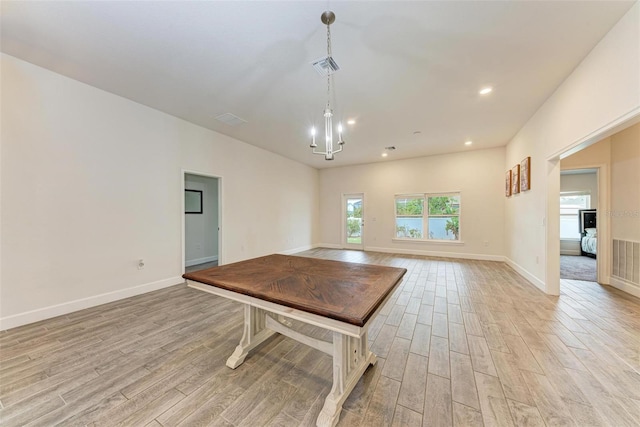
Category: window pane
<point>569,211</point>
<point>409,228</point>
<point>409,206</point>
<point>569,227</point>
<point>444,205</point>
<point>569,205</point>
<point>354,220</point>
<point>582,201</point>
<point>444,228</point>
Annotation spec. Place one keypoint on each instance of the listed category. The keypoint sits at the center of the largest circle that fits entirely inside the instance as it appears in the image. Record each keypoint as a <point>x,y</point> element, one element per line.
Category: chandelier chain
<point>328,56</point>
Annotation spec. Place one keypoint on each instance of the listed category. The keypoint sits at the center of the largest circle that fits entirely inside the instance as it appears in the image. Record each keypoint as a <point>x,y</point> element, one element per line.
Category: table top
<point>344,291</point>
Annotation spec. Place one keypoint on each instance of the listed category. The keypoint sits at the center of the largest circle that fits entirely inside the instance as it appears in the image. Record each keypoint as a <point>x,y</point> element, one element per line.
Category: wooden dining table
<point>338,296</point>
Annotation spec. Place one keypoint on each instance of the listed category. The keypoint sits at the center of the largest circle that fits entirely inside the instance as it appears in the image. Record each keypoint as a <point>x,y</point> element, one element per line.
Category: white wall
<point>625,184</point>
<point>478,175</point>
<point>92,182</point>
<point>624,213</point>
<point>201,230</point>
<point>581,182</point>
<point>601,93</point>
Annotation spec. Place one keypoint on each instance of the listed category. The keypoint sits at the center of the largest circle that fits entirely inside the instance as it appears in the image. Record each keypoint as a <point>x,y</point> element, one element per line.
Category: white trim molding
<point>437,254</point>
<point>526,274</point>
<point>299,249</point>
<point>197,261</point>
<point>326,245</point>
<point>625,286</point>
<point>80,304</point>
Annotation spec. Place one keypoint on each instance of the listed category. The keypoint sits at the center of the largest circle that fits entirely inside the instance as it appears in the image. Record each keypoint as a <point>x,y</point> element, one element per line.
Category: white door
<point>353,221</point>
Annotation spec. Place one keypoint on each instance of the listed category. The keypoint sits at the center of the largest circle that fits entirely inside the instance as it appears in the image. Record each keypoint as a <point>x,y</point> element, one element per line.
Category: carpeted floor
<point>578,268</point>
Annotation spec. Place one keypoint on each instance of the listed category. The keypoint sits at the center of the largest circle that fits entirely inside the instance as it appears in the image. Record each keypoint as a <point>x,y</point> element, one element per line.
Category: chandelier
<point>329,65</point>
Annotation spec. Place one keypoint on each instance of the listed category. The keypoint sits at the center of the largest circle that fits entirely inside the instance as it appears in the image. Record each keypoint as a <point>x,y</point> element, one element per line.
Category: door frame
<point>343,220</point>
<point>183,175</point>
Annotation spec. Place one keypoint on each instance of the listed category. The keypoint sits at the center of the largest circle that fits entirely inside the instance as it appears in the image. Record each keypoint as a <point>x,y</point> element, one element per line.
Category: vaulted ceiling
<point>409,73</point>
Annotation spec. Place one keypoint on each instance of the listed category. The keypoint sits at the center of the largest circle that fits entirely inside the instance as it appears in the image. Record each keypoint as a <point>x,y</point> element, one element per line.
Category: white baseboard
<point>80,304</point>
<point>568,252</point>
<point>327,245</point>
<point>625,286</point>
<point>197,261</point>
<point>527,275</point>
<point>296,250</point>
<point>439,254</point>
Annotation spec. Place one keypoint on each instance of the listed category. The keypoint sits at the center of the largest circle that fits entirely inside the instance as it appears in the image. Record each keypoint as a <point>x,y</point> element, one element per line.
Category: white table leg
<point>254,333</point>
<point>351,357</point>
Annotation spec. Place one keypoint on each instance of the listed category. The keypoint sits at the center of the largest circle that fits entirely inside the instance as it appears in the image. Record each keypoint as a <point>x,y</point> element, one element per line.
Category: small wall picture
<point>507,183</point>
<point>192,201</point>
<point>525,174</point>
<point>515,179</point>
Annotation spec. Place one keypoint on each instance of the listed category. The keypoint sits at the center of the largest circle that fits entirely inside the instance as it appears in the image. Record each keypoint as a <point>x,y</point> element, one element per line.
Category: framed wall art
<point>515,179</point>
<point>507,183</point>
<point>525,174</point>
<point>192,201</point>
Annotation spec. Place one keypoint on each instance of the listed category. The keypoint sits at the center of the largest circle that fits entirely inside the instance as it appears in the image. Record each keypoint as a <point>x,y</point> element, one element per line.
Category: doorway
<point>353,221</point>
<point>578,223</point>
<point>201,221</point>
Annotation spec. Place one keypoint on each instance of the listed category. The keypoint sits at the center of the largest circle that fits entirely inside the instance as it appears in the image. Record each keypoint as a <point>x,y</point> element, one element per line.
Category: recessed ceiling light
<point>384,154</point>
<point>468,143</point>
<point>486,90</point>
<point>351,122</point>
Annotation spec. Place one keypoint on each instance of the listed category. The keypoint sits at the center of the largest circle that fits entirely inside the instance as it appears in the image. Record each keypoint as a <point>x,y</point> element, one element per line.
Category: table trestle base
<point>351,356</point>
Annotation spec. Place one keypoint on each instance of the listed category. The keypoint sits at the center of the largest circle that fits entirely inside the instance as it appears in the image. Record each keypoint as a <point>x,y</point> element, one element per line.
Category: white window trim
<point>425,218</point>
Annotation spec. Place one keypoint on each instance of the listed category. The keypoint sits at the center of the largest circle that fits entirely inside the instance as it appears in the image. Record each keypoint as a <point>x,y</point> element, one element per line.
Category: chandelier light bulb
<point>313,137</point>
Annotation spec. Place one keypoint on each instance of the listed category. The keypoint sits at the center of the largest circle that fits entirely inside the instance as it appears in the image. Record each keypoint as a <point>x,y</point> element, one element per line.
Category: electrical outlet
<point>486,243</point>
<point>140,264</point>
<point>537,260</point>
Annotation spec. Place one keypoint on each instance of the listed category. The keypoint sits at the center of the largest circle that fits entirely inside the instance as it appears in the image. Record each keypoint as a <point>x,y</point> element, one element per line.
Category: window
<point>570,203</point>
<point>439,221</point>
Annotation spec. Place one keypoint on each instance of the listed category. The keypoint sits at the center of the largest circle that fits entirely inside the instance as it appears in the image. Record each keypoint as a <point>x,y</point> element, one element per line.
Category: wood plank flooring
<point>461,343</point>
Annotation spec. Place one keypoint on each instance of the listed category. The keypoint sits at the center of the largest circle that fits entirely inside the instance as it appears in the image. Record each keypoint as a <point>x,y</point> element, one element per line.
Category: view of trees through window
<point>354,220</point>
<point>440,222</point>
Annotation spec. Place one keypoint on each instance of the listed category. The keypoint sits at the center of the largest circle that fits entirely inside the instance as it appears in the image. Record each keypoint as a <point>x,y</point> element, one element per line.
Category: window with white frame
<point>570,203</point>
<point>428,216</point>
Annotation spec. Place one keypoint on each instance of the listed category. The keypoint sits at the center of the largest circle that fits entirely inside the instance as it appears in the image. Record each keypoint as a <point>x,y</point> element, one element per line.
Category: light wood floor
<point>461,343</point>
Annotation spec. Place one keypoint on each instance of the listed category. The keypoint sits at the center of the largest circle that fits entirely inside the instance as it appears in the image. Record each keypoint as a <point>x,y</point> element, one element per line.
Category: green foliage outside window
<point>409,207</point>
<point>453,226</point>
<point>353,228</point>
<point>444,205</point>
<point>437,207</point>
<point>404,231</point>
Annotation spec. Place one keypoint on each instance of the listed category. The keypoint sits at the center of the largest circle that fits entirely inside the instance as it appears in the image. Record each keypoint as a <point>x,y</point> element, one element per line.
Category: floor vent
<point>626,261</point>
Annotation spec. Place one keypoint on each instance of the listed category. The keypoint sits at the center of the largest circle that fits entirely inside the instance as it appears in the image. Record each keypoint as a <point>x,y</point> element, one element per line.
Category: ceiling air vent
<point>230,119</point>
<point>325,65</point>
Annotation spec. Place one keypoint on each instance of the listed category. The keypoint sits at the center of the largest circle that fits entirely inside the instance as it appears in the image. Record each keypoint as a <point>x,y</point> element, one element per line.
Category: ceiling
<point>406,67</point>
